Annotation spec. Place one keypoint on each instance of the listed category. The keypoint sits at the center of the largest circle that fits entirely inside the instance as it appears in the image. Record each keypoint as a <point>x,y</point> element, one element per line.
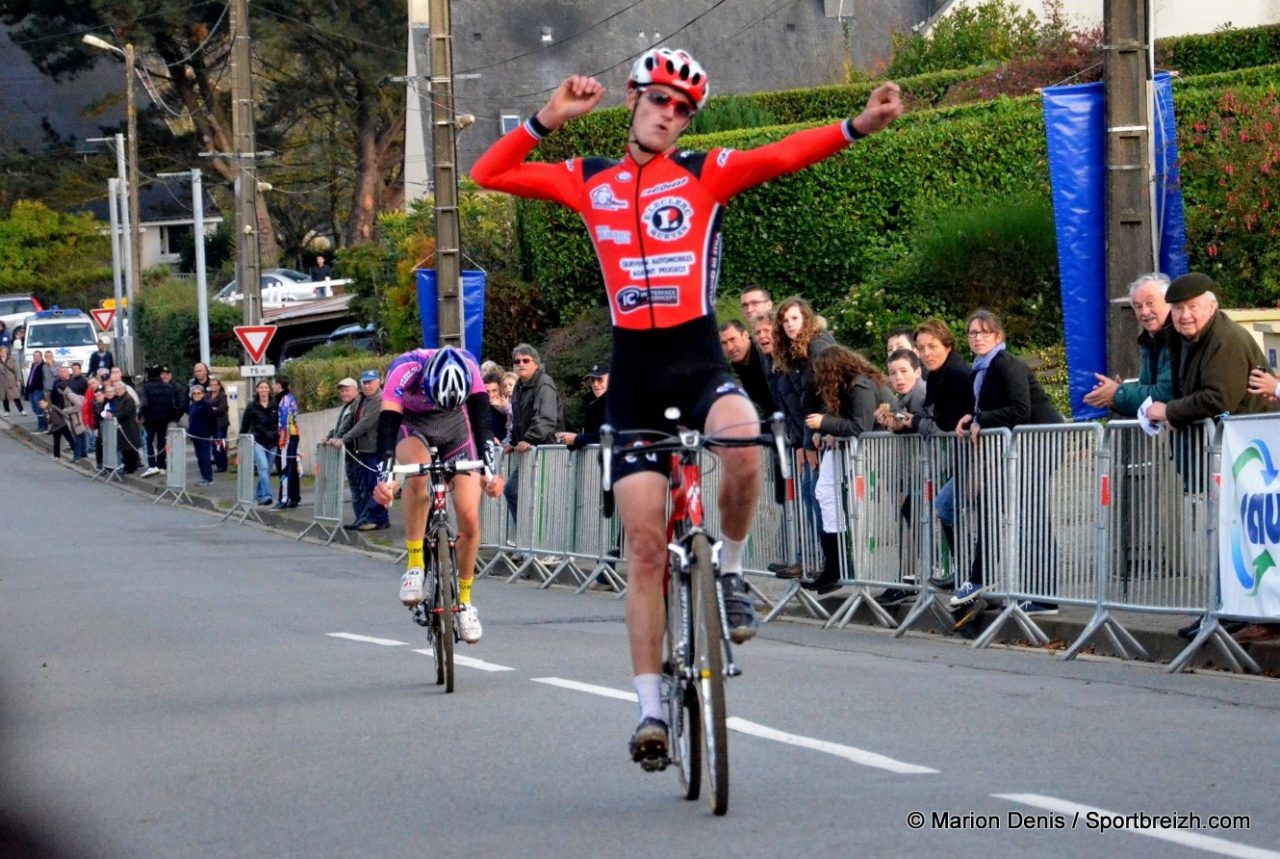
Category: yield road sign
<point>255,339</point>
<point>104,317</point>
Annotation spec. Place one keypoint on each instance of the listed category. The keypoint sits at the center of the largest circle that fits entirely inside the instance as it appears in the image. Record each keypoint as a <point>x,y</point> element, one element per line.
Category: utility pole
<point>248,265</point>
<point>444,148</point>
<point>117,263</point>
<point>135,222</point>
<point>1130,248</point>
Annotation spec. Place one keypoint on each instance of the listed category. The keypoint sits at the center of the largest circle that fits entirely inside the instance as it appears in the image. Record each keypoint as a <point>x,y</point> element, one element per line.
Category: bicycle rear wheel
<point>683,716</point>
<point>446,582</point>
<point>709,663</point>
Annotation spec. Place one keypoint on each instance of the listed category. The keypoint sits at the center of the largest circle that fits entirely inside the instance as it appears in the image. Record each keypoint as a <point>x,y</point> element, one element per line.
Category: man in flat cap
<point>1211,358</point>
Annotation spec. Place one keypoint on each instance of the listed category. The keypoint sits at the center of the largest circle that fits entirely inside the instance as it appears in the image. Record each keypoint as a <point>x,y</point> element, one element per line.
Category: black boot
<point>829,579</point>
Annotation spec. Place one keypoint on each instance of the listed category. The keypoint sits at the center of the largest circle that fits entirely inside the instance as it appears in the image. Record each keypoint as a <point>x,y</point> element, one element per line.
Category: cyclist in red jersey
<point>654,218</point>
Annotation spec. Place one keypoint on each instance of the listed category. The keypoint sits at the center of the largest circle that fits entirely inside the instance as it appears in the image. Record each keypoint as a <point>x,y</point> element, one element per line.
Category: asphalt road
<point>174,686</point>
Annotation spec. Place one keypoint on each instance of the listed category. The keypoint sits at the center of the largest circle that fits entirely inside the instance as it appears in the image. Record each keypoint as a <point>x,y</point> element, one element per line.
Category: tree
<point>58,257</point>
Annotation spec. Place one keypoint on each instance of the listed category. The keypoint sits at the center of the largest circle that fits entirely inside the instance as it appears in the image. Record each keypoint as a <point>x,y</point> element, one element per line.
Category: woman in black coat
<point>1008,395</point>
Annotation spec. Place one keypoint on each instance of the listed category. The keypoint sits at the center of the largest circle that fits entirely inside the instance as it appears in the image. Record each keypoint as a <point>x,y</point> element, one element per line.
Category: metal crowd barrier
<point>331,473</point>
<point>175,475</point>
<point>596,540</point>
<point>109,470</point>
<point>246,484</point>
<point>496,531</point>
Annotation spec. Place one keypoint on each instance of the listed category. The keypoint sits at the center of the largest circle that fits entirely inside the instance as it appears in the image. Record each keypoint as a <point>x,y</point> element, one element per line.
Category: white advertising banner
<point>1249,519</point>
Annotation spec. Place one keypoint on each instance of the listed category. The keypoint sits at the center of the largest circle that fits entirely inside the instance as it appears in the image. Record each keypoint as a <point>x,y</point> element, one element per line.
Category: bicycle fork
<point>682,555</point>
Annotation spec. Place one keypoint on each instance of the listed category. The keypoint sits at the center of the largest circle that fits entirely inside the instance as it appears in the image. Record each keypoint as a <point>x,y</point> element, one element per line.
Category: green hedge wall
<point>1221,51</point>
<point>842,216</point>
<point>839,216</point>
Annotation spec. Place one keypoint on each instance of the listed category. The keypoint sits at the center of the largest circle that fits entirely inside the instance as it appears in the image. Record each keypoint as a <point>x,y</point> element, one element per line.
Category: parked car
<point>15,307</point>
<point>364,337</point>
<point>281,286</point>
<point>69,334</point>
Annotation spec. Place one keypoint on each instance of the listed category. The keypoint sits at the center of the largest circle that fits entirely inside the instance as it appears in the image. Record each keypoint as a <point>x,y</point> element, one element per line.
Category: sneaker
<point>649,745</point>
<point>1042,609</point>
<point>161,472</point>
<point>203,482</point>
<point>468,618</point>
<point>943,583</point>
<point>739,608</point>
<point>967,593</point>
<point>893,596</point>
<point>366,526</point>
<point>789,571</point>
<point>411,586</point>
<point>151,472</point>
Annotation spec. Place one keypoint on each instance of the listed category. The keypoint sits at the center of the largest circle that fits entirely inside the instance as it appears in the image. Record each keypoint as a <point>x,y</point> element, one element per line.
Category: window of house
<point>172,239</point>
<point>510,121</point>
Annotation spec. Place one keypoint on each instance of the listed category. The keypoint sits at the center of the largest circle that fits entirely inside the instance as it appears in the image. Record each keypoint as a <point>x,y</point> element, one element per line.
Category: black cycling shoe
<point>649,745</point>
<point>739,609</point>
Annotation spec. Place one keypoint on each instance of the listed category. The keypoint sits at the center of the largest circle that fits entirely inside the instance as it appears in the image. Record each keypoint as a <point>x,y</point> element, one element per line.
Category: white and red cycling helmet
<point>673,68</point>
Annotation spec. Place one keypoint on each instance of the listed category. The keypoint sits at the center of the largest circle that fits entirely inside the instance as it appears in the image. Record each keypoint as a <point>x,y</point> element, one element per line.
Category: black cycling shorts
<point>656,369</point>
<point>449,432</point>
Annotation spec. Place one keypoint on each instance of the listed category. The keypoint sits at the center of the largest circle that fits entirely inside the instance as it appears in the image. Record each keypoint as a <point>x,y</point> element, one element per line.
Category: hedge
<point>843,214</point>
<point>315,382</point>
<point>1221,51</point>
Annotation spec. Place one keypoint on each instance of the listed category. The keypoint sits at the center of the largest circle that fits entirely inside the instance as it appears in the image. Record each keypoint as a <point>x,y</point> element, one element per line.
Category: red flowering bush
<point>1230,150</point>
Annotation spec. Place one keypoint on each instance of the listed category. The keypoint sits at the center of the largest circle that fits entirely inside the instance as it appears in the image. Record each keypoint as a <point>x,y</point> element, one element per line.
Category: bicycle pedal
<point>654,765</point>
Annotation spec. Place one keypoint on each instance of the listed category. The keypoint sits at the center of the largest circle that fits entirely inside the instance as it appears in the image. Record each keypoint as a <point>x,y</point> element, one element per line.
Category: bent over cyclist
<point>654,218</point>
<point>436,398</point>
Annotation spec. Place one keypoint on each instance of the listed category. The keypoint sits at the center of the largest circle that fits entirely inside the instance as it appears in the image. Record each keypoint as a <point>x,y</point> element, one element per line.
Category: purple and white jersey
<point>406,386</point>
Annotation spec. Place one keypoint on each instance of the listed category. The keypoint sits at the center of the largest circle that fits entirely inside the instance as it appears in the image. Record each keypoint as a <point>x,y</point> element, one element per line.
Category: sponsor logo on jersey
<point>723,157</point>
<point>620,237</point>
<point>631,298</point>
<point>662,265</point>
<point>623,176</point>
<point>665,187</point>
<point>603,198</point>
<point>668,219</point>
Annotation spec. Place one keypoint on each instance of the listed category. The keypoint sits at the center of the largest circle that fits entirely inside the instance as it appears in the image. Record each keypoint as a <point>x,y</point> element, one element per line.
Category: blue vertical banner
<point>1075,130</point>
<point>473,283</point>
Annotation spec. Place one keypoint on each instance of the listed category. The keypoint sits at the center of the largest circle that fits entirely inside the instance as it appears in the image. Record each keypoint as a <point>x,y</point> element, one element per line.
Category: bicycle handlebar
<point>686,439</point>
<point>418,469</point>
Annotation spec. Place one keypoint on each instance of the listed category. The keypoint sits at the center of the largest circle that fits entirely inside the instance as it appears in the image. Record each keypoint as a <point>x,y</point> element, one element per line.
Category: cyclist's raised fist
<point>576,95</point>
<point>883,106</point>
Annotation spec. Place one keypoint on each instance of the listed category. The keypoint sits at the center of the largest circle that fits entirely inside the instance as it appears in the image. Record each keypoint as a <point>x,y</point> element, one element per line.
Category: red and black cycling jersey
<point>656,227</point>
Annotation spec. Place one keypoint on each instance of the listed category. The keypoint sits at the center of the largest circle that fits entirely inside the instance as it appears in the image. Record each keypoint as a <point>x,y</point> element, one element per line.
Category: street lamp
<point>131,116</point>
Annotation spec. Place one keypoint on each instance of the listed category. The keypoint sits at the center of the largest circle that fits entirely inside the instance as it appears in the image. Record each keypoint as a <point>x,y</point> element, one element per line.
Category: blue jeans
<point>373,511</point>
<point>944,506</point>
<point>809,509</point>
<point>262,464</point>
<point>204,457</point>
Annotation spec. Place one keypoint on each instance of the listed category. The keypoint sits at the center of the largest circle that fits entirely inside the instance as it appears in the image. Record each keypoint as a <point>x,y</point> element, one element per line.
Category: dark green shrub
<point>992,31</point>
<point>314,381</point>
<point>167,324</point>
<point>730,112</point>
<point>569,352</point>
<point>1220,51</point>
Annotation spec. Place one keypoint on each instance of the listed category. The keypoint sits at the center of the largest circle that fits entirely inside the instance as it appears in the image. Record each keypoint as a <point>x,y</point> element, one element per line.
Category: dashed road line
<point>1181,837</point>
<point>469,661</point>
<point>849,753</point>
<point>368,639</point>
<point>742,726</point>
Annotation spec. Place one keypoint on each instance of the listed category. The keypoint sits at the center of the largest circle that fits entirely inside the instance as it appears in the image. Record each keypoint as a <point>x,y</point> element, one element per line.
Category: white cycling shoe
<point>468,624</point>
<point>411,586</point>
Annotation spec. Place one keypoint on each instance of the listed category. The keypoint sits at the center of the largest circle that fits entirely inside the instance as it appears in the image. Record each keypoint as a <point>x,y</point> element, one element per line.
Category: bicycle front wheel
<point>684,718</point>
<point>446,584</point>
<point>708,651</point>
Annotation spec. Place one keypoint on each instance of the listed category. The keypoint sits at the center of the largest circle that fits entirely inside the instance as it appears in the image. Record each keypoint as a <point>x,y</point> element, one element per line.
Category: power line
<point>555,44</point>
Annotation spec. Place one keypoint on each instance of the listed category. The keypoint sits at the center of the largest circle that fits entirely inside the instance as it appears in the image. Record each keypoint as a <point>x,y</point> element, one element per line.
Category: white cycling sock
<point>649,691</point>
<point>731,552</point>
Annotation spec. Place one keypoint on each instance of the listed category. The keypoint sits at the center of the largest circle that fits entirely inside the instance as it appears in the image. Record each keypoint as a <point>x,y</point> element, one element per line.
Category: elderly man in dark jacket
<point>536,415</point>
<point>1211,359</point>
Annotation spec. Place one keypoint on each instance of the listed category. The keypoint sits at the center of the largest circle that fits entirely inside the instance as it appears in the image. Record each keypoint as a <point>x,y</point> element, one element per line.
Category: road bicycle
<point>439,606</point>
<point>697,651</point>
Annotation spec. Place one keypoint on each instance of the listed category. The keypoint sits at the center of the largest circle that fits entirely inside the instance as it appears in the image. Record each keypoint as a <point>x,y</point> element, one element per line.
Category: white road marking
<point>470,662</point>
<point>849,753</point>
<point>1177,836</point>
<point>385,642</point>
<point>742,726</point>
<point>602,691</point>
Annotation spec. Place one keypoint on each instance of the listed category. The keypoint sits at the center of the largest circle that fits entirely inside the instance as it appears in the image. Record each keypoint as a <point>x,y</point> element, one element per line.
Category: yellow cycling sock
<point>464,591</point>
<point>416,558</point>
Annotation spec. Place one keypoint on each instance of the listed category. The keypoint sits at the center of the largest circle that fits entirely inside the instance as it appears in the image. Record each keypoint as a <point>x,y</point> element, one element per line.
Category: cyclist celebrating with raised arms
<point>654,218</point>
<point>423,407</point>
